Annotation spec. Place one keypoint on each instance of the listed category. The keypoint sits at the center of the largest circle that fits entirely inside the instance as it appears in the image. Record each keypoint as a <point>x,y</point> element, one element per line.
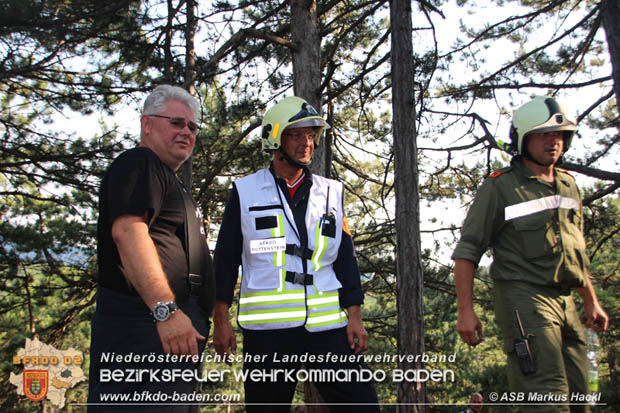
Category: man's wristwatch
<point>163,310</point>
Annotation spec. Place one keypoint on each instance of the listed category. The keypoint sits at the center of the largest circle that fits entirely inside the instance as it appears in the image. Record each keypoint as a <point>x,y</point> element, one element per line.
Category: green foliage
<point>603,238</point>
<point>67,57</point>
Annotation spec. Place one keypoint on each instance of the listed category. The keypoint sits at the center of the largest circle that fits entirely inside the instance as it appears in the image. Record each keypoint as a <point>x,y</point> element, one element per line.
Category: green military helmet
<point>541,114</point>
<point>290,112</point>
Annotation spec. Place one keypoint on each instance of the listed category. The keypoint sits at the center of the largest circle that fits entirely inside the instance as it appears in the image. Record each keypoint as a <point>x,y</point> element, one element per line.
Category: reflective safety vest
<point>285,284</point>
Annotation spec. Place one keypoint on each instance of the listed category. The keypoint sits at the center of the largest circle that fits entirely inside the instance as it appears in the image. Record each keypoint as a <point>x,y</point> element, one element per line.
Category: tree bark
<point>29,300</point>
<point>190,50</point>
<point>611,17</point>
<point>307,84</point>
<point>168,63</point>
<point>306,44</point>
<point>190,75</point>
<point>409,274</point>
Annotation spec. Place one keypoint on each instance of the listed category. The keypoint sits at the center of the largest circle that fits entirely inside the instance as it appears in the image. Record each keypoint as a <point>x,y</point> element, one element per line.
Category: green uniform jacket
<point>535,228</point>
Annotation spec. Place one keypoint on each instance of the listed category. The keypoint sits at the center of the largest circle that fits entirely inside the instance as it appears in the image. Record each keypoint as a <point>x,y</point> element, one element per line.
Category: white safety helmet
<point>290,112</point>
<point>541,114</point>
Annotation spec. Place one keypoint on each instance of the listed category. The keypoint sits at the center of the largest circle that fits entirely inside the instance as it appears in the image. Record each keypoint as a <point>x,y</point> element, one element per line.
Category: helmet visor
<point>314,123</point>
<point>556,122</point>
<point>307,111</point>
<point>554,119</point>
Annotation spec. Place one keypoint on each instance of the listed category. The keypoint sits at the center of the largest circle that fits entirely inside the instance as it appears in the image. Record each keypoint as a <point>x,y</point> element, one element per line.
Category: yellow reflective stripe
<point>319,250</point>
<point>322,300</point>
<point>317,306</point>
<point>282,278</point>
<point>276,311</point>
<point>317,236</point>
<point>280,315</point>
<point>279,320</point>
<point>271,297</point>
<point>332,316</point>
<point>326,323</point>
<point>279,257</point>
<point>266,303</point>
<point>282,253</point>
<point>541,204</point>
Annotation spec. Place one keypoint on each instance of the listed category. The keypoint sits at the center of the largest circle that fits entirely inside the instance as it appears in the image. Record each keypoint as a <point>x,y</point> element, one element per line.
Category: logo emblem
<point>36,384</point>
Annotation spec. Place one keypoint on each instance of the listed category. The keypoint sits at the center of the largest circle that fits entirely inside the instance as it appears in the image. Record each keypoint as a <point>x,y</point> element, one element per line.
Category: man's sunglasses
<point>179,123</point>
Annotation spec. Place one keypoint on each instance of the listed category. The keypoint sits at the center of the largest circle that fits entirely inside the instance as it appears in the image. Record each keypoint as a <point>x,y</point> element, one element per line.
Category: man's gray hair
<point>155,102</point>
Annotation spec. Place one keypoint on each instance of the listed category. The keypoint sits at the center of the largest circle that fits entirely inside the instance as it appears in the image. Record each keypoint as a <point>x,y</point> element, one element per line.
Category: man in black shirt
<point>152,313</point>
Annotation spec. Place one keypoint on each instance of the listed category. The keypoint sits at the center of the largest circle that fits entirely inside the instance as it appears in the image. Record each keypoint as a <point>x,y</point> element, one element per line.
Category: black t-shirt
<point>135,183</point>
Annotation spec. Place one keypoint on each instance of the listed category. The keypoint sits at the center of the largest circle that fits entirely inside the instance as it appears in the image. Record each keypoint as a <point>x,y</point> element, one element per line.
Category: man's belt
<point>301,252</point>
<point>299,278</point>
<point>195,282</point>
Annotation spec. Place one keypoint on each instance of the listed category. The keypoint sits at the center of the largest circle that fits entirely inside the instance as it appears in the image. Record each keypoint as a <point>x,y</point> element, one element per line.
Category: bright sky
<point>448,30</point>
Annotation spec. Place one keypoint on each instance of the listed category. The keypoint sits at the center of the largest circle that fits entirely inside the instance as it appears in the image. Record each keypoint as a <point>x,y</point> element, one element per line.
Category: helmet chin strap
<point>291,161</point>
<point>531,158</point>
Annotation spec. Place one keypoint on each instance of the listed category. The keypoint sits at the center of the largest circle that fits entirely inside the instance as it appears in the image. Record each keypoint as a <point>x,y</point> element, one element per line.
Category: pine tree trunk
<point>190,75</point>
<point>611,23</point>
<point>307,85</point>
<point>168,61</point>
<point>409,274</point>
<point>307,68</point>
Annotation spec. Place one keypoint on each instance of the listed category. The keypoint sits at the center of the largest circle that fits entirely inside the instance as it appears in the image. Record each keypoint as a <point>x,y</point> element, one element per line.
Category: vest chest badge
<point>260,246</point>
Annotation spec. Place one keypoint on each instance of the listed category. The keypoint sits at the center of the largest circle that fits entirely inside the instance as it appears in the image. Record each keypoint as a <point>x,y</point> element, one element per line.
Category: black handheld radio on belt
<point>329,220</point>
<point>522,348</point>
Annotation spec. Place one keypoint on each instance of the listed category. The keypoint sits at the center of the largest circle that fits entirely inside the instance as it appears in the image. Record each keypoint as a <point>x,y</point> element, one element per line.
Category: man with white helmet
<point>530,214</point>
<point>287,229</point>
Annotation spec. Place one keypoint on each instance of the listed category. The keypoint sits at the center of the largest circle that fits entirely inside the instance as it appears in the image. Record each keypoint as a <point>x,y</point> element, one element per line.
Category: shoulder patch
<point>345,226</point>
<point>566,172</point>
<point>495,174</point>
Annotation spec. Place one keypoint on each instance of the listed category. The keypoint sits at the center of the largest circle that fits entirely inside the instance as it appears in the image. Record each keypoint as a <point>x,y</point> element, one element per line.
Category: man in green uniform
<point>530,214</point>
